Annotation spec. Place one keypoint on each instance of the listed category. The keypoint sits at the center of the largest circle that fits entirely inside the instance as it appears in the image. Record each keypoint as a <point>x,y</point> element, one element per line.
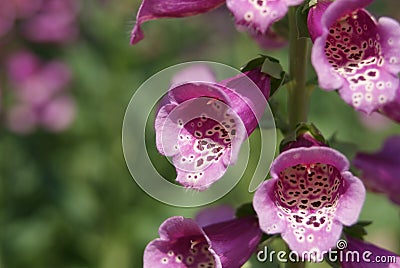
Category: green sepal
<point>357,230</point>
<point>272,68</point>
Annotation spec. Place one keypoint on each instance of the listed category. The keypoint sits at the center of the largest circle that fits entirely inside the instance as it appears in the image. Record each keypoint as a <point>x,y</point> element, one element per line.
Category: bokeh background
<point>67,73</point>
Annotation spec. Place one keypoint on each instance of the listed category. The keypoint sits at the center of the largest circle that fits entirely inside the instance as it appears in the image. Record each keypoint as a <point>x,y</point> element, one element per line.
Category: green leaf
<point>272,68</point>
<point>245,210</point>
<point>357,230</point>
<point>254,63</point>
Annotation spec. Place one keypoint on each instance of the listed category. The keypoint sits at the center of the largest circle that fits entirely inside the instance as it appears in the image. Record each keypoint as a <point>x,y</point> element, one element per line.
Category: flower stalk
<point>298,93</point>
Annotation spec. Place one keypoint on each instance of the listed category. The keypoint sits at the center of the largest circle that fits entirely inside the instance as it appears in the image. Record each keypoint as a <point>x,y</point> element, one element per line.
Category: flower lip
<point>309,155</point>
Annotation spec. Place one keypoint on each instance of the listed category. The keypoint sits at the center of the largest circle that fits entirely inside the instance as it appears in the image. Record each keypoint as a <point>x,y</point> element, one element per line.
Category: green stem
<point>298,95</point>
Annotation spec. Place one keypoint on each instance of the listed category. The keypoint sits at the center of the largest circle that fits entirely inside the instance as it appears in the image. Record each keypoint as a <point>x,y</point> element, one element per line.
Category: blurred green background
<point>68,200</point>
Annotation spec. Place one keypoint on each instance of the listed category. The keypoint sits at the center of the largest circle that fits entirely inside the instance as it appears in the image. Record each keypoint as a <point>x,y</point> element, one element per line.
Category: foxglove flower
<point>201,125</point>
<point>376,258</point>
<point>41,98</point>
<point>354,53</point>
<point>54,22</point>
<point>184,243</point>
<point>256,15</point>
<point>310,196</point>
<point>380,171</point>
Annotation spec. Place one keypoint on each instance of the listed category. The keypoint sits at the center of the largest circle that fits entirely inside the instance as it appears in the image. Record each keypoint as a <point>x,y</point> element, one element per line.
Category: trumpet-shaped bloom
<point>355,54</point>
<point>202,125</point>
<point>380,171</point>
<point>257,15</point>
<point>183,243</point>
<point>310,197</point>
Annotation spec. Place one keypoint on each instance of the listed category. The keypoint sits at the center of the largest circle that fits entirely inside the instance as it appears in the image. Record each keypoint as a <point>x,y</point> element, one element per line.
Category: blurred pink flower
<point>39,89</point>
<point>36,82</point>
<point>58,114</point>
<point>42,20</point>
<point>54,22</point>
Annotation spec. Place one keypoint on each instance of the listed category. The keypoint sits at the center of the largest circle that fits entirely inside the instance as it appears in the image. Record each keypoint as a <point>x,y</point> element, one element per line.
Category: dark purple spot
<point>298,218</point>
<point>316,204</point>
